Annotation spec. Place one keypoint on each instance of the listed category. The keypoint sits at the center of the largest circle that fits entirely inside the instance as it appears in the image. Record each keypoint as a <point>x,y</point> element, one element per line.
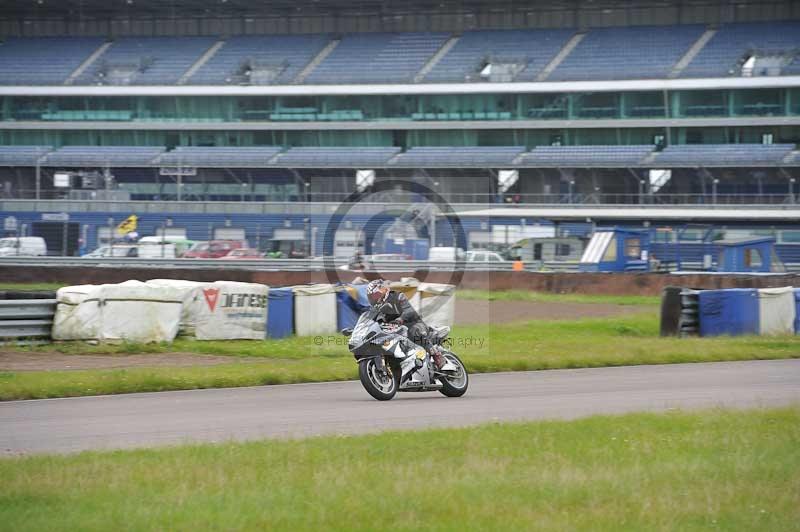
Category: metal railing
<point>316,264</point>
<point>459,203</point>
<point>26,320</point>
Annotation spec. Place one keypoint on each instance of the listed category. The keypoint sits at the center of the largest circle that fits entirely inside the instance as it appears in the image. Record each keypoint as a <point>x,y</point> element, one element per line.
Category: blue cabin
<point>748,254</point>
<point>616,250</point>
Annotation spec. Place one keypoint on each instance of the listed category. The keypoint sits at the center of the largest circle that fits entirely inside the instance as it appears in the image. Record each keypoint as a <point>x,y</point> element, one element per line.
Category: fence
<point>317,264</point>
<point>26,320</point>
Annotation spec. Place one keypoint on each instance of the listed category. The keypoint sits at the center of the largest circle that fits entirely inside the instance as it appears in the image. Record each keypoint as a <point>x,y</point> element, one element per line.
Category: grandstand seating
<point>288,52</point>
<point>459,156</point>
<point>723,154</point>
<point>154,60</point>
<point>609,156</point>
<point>603,54</point>
<point>22,155</point>
<point>219,156</point>
<point>43,60</point>
<point>571,156</point>
<point>377,58</point>
<point>346,157</point>
<point>534,48</point>
<point>643,52</point>
<point>722,55</point>
<point>103,155</point>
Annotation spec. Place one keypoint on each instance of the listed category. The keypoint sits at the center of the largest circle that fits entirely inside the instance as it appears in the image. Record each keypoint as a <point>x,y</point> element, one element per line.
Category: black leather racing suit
<point>396,306</point>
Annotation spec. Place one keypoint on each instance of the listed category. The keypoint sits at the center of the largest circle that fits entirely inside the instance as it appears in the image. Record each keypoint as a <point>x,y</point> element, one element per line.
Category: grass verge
<point>626,340</point>
<point>544,297</point>
<point>30,286</point>
<point>728,470</point>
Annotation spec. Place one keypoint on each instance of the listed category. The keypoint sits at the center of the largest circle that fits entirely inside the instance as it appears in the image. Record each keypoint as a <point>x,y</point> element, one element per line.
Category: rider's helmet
<point>377,291</point>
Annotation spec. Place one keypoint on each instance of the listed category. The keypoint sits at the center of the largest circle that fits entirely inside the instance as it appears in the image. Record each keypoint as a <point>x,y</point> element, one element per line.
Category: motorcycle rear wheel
<point>382,388</point>
<point>454,385</point>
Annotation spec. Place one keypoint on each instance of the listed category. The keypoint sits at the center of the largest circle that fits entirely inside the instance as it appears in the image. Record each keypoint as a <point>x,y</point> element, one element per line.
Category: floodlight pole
<point>38,180</point>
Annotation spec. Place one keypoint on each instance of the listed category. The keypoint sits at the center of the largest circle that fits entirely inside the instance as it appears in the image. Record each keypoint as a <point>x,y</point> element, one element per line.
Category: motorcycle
<point>389,362</point>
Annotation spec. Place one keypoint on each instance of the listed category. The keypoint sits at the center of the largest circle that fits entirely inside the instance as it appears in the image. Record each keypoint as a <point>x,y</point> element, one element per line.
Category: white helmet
<point>377,291</point>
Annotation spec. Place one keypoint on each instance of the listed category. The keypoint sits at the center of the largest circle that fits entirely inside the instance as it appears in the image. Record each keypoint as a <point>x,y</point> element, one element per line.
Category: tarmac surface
<point>300,410</point>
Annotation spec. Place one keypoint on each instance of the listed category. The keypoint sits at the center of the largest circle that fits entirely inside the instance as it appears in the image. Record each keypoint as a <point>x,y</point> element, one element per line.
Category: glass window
<point>633,248</point>
<point>611,251</point>
<point>789,236</point>
<point>752,258</point>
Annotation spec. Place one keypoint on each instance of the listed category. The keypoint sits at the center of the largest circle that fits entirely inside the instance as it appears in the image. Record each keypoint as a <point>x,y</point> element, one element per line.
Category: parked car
<point>445,254</point>
<point>243,254</point>
<point>23,245</point>
<point>484,256</point>
<point>182,245</point>
<point>287,249</point>
<point>118,250</point>
<point>213,249</point>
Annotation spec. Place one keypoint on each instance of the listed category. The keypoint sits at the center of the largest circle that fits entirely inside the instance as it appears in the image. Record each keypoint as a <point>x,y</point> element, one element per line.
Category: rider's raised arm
<point>407,314</point>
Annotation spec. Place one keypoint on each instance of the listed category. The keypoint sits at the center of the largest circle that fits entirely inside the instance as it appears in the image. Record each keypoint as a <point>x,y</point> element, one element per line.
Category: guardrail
<point>317,264</point>
<point>26,320</point>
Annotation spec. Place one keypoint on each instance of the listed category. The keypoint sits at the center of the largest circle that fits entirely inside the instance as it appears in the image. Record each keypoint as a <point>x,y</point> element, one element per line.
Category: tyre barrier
<point>732,312</point>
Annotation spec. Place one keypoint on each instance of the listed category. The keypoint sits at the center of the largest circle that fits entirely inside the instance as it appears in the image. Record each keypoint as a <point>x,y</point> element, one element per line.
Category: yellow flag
<point>127,225</point>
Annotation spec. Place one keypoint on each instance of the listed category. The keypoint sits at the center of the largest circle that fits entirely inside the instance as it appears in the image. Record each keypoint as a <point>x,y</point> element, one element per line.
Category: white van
<point>153,247</point>
<point>445,254</point>
<point>24,245</point>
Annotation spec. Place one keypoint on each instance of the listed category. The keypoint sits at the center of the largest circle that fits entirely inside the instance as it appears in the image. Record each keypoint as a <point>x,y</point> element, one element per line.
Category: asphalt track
<point>154,419</point>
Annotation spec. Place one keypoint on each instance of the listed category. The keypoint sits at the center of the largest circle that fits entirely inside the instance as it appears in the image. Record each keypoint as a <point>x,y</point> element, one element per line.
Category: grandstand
<point>639,102</point>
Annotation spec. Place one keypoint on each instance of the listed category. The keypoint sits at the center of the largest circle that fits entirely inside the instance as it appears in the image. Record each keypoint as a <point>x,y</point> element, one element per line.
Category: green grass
<point>544,297</point>
<point>626,340</point>
<point>714,470</point>
<point>30,286</point>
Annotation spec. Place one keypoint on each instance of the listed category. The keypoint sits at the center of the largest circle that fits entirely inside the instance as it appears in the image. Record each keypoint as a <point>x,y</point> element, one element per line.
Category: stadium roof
<point>704,213</point>
<point>202,8</point>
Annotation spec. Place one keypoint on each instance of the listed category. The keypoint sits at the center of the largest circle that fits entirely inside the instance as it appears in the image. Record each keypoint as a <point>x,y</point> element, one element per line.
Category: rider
<point>396,308</point>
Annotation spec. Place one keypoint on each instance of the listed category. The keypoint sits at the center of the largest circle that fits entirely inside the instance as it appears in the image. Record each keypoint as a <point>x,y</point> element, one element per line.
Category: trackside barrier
<point>24,320</point>
<point>732,311</point>
<point>279,265</point>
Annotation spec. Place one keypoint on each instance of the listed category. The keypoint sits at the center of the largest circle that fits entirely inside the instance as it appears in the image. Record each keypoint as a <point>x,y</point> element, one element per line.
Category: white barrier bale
<point>776,307</point>
<point>437,304</point>
<point>228,310</point>
<point>193,301</point>
<point>130,311</point>
<point>314,309</point>
<point>73,320</point>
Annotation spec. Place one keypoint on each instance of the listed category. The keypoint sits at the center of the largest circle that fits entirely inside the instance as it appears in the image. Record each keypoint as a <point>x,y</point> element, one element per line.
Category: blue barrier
<point>280,313</point>
<point>348,309</point>
<point>797,311</point>
<point>732,311</point>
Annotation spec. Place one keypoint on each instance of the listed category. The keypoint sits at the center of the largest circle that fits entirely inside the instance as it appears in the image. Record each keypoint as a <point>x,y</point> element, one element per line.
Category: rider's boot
<point>438,357</point>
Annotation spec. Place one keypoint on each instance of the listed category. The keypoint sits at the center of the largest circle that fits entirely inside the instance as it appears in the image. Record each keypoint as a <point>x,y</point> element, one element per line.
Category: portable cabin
<point>566,249</point>
<point>748,254</point>
<point>616,250</point>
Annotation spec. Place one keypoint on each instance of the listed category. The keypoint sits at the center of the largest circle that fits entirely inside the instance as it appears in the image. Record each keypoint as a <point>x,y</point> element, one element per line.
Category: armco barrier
<point>26,319</point>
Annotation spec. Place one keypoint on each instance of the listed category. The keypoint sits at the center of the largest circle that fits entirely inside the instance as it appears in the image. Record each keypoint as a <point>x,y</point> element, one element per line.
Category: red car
<point>213,249</point>
<point>243,254</point>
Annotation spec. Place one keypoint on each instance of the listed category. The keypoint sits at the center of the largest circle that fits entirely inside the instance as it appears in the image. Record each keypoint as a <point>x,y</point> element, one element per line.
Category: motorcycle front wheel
<point>382,386</point>
<point>454,384</point>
